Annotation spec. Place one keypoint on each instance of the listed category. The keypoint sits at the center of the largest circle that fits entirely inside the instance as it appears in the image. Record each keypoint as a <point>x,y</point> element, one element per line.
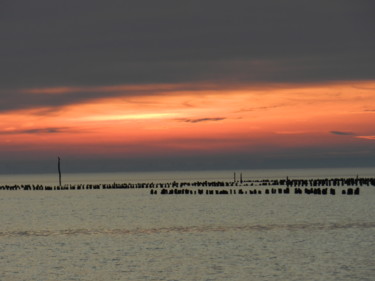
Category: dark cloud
<point>199,120</point>
<point>50,130</point>
<point>81,42</point>
<point>342,133</point>
<point>50,100</point>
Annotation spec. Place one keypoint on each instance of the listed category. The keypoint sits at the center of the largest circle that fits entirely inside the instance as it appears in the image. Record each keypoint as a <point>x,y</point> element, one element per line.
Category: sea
<point>129,234</point>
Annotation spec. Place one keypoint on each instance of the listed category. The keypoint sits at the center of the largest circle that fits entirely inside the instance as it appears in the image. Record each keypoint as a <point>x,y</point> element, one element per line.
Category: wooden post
<point>58,166</point>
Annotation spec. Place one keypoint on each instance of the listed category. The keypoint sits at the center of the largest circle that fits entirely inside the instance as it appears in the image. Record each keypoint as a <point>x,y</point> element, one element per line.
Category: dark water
<point>226,175</point>
<point>131,235</point>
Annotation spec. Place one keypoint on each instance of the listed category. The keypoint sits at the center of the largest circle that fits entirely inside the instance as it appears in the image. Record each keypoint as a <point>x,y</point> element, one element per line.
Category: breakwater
<point>321,186</point>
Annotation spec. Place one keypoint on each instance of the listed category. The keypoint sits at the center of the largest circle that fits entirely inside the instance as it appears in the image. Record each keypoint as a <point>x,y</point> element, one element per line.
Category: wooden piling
<point>59,169</point>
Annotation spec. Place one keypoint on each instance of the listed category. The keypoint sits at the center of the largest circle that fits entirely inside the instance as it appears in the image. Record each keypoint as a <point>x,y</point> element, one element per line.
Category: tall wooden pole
<point>58,166</point>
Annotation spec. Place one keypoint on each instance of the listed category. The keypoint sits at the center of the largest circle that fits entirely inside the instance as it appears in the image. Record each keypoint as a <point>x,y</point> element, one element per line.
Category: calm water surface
<point>131,235</point>
<point>135,177</point>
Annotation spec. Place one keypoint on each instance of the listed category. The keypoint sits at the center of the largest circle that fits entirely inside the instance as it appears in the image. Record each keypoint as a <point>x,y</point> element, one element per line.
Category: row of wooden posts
<point>316,186</point>
<point>288,182</point>
<point>314,191</point>
<point>321,186</point>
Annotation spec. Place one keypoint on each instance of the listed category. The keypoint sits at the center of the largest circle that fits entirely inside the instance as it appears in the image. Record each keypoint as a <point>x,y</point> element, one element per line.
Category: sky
<point>186,85</point>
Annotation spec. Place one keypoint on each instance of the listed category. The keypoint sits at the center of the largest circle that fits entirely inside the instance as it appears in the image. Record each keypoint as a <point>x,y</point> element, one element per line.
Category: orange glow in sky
<point>148,119</point>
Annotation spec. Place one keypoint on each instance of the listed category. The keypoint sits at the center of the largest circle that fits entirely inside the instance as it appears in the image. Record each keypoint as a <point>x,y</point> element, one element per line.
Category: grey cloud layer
<point>339,133</point>
<point>49,130</point>
<point>206,119</point>
<point>49,43</point>
<point>46,101</point>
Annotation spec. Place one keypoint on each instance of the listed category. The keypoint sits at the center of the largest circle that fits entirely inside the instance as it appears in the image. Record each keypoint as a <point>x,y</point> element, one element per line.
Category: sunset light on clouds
<point>193,100</point>
<point>240,120</point>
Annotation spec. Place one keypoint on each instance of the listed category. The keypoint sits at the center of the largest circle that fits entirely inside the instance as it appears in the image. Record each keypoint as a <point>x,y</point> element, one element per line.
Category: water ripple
<point>190,229</point>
